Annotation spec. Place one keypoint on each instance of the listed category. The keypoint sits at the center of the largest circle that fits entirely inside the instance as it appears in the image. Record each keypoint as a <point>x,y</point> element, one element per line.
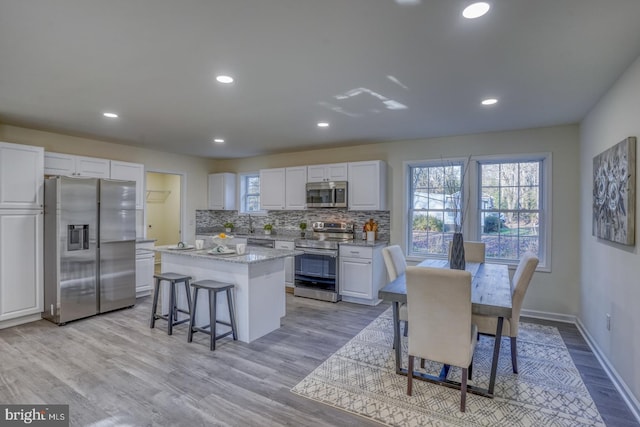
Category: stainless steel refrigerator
<point>89,242</point>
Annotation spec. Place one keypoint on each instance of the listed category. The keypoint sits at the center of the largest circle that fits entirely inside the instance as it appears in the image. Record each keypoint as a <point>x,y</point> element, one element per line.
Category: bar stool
<point>172,316</point>
<point>213,287</point>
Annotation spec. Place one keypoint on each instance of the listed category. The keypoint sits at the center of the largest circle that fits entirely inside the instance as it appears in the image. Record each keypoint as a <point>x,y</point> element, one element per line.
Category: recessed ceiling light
<point>489,101</point>
<point>323,124</point>
<point>218,140</point>
<point>224,79</point>
<point>110,115</point>
<point>475,10</point>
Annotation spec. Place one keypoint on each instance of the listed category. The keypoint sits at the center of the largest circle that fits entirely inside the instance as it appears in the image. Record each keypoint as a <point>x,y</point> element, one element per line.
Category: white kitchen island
<point>259,293</point>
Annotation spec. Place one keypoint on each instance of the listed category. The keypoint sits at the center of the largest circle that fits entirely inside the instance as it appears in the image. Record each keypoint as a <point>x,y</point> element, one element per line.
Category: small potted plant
<point>268,228</point>
<point>303,228</point>
<point>228,226</point>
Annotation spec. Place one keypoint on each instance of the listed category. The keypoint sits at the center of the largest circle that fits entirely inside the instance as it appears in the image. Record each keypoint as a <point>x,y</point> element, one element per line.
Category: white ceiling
<point>296,62</point>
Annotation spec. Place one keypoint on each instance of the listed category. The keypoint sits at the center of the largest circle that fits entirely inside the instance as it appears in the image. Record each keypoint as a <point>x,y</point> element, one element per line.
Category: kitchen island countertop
<point>251,256</point>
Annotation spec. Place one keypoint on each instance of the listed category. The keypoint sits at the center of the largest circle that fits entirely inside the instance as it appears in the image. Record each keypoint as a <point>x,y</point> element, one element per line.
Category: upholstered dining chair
<point>473,251</point>
<point>439,300</point>
<point>396,265</point>
<point>487,324</point>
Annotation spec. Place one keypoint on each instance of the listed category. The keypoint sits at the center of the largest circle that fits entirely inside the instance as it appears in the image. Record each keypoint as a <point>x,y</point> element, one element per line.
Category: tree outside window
<point>510,215</point>
<point>250,193</point>
<point>435,207</point>
<point>506,201</point>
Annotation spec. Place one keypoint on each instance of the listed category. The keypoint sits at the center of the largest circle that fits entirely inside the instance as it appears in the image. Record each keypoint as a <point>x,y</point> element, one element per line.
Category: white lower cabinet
<point>145,264</point>
<point>361,273</point>
<point>289,262</point>
<point>21,268</point>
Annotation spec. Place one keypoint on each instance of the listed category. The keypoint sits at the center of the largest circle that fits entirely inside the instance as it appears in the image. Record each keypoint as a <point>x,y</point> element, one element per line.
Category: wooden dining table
<point>490,296</point>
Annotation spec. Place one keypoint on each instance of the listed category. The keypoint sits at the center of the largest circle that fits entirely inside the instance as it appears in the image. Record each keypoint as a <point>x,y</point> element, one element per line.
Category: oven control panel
<point>343,227</point>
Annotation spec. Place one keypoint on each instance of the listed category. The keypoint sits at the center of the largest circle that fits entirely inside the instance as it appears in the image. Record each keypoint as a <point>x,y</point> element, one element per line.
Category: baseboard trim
<point>556,317</point>
<point>20,321</point>
<point>632,403</point>
<point>627,396</point>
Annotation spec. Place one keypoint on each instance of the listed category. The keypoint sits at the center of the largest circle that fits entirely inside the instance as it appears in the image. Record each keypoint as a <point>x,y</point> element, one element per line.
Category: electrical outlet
<point>608,322</point>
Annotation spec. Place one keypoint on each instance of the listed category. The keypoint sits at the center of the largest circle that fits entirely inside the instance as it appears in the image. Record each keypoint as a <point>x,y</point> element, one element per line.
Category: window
<point>250,193</point>
<point>504,201</point>
<point>511,208</point>
<point>435,206</point>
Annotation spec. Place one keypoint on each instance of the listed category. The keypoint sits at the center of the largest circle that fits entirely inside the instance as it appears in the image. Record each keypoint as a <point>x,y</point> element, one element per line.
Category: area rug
<point>360,378</point>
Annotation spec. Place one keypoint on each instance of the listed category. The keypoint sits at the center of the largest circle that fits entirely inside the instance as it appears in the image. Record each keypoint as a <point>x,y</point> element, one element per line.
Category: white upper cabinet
<point>70,165</point>
<point>367,186</point>
<point>130,172</point>
<point>295,188</point>
<point>272,189</point>
<point>332,172</point>
<point>283,188</point>
<point>21,176</point>
<point>222,191</point>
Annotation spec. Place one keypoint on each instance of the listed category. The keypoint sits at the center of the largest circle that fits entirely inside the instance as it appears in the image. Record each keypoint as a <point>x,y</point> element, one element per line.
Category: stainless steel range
<point>316,274</point>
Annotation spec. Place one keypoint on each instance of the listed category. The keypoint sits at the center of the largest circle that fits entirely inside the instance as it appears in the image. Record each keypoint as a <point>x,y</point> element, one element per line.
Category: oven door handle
<point>323,253</point>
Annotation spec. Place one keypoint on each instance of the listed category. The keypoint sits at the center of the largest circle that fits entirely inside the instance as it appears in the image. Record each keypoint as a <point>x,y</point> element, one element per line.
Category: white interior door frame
<point>183,193</point>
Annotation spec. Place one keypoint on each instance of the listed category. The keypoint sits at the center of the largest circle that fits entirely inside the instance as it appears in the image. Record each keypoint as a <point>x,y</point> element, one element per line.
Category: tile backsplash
<point>208,222</point>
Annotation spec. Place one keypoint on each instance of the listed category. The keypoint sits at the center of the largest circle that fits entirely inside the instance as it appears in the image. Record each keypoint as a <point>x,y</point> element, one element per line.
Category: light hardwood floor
<point>113,370</point>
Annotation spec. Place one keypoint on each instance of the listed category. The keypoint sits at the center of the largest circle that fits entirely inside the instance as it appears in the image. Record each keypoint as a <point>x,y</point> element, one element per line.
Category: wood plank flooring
<point>114,371</point>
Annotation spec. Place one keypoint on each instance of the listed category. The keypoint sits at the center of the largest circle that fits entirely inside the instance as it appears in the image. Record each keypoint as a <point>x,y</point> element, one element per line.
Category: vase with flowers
<point>454,185</point>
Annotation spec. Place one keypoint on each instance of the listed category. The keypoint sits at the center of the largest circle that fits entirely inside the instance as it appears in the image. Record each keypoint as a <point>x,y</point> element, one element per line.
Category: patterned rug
<point>548,391</point>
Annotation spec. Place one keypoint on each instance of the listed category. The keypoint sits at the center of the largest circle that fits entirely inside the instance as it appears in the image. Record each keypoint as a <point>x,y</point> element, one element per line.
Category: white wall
<point>555,292</point>
<point>195,169</point>
<point>610,272</point>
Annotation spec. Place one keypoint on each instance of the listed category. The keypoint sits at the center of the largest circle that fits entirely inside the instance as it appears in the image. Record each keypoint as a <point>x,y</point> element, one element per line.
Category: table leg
<point>496,354</point>
<point>396,336</point>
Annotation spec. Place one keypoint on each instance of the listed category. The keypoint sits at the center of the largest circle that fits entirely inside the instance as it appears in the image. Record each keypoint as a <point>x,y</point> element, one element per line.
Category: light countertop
<point>252,254</point>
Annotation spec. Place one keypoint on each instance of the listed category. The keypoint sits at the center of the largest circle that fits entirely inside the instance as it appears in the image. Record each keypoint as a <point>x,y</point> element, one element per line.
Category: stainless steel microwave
<point>327,194</point>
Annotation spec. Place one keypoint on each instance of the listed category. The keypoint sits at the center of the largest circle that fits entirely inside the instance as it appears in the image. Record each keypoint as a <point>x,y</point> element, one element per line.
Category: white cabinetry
<point>145,261</point>
<point>362,273</point>
<point>331,172</point>
<point>222,191</point>
<point>21,265</point>
<point>288,262</point>
<point>272,189</point>
<point>69,165</point>
<point>130,172</point>
<point>295,188</point>
<point>21,181</point>
<point>21,233</point>
<point>283,188</point>
<point>367,186</point>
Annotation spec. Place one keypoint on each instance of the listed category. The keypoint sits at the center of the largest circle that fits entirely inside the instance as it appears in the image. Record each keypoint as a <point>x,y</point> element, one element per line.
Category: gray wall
<point>609,272</point>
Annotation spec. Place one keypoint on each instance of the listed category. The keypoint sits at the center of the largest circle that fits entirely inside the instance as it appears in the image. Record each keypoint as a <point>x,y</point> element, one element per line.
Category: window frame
<point>433,163</point>
<point>472,188</point>
<point>242,194</point>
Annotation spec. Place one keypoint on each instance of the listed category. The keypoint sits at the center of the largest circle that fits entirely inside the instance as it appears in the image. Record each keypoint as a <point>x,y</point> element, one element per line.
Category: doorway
<point>164,197</point>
